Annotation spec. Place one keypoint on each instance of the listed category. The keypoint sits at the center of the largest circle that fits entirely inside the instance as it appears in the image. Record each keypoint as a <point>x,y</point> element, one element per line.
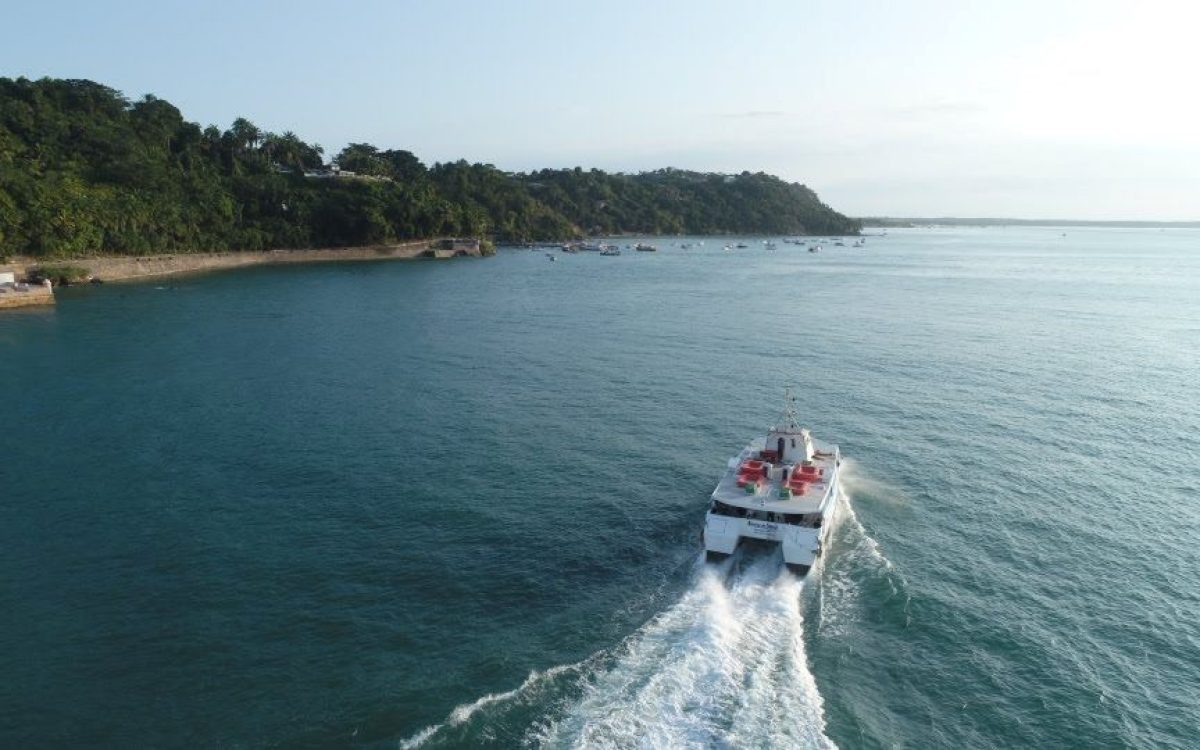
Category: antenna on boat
<point>789,412</point>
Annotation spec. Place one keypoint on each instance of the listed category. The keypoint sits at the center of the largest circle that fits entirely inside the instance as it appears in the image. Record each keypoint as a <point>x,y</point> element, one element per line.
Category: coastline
<point>123,268</point>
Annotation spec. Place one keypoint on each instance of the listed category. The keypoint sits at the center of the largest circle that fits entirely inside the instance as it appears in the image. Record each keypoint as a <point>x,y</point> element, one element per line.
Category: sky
<point>1017,108</point>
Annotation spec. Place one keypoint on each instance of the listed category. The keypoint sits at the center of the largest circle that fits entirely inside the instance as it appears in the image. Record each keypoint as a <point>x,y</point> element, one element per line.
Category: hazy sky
<point>1040,109</point>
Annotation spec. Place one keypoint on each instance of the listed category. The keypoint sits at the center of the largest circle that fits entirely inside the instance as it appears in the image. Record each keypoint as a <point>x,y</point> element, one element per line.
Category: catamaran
<point>782,489</point>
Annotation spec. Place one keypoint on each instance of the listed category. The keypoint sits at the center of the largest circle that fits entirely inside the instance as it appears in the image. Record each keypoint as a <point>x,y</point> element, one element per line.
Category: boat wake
<point>724,667</point>
<point>534,685</point>
<point>856,567</point>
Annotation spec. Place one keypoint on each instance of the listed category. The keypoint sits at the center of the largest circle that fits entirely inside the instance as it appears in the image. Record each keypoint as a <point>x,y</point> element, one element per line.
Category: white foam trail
<point>852,552</point>
<point>463,713</point>
<point>861,544</point>
<point>858,543</point>
<point>725,667</point>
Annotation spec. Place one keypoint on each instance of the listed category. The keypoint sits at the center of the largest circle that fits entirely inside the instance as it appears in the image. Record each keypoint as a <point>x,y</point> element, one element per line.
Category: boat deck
<point>767,494</point>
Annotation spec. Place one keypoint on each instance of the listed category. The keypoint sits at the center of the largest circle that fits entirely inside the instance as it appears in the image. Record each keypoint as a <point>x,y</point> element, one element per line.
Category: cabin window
<point>793,442</point>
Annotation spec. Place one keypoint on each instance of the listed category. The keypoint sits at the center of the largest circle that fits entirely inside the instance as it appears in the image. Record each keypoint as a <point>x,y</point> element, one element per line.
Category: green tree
<point>83,170</point>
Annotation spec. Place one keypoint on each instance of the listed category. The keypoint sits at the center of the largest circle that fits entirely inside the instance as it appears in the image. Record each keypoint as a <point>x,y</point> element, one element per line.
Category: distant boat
<point>551,257</point>
<point>610,250</point>
<point>729,247</point>
<point>742,245</point>
<point>815,249</point>
<point>643,248</point>
<point>591,247</point>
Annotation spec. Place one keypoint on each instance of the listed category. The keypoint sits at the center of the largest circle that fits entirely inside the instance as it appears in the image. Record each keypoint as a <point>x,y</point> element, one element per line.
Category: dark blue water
<point>458,504</point>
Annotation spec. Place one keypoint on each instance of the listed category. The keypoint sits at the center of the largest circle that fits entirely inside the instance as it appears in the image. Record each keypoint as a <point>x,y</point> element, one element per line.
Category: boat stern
<point>801,547</point>
<point>721,535</point>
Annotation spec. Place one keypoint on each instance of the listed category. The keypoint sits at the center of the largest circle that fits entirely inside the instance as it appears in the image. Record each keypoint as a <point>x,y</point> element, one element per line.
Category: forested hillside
<point>84,171</point>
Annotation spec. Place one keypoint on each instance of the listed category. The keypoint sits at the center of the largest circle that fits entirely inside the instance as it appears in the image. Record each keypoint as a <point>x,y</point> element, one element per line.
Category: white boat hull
<point>801,546</point>
<point>765,508</point>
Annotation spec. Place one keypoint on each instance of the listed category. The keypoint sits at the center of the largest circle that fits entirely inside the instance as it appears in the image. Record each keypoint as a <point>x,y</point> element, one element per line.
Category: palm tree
<point>245,134</point>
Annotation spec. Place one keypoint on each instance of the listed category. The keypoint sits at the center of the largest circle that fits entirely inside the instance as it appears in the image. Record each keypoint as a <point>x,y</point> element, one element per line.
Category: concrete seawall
<point>134,267</point>
<point>33,294</point>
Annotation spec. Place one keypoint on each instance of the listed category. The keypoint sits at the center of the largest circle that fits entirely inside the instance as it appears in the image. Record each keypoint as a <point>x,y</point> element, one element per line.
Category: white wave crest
<point>463,713</point>
<point>853,554</point>
<point>725,667</point>
<point>860,544</point>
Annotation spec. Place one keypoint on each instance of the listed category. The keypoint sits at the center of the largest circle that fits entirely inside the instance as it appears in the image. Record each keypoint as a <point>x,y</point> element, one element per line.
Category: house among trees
<point>329,171</point>
<point>457,247</point>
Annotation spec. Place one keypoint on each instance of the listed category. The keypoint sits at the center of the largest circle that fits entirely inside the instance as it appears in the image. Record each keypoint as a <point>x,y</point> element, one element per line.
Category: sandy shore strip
<point>116,268</point>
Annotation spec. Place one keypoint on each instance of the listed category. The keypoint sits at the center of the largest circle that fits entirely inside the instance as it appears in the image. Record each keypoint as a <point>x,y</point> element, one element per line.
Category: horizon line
<point>1048,222</point>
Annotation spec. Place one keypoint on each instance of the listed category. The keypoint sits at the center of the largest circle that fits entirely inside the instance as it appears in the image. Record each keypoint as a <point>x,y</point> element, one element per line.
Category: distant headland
<point>946,221</point>
<point>86,173</point>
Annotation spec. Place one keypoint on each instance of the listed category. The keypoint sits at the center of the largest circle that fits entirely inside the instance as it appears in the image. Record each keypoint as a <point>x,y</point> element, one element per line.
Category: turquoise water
<point>458,504</point>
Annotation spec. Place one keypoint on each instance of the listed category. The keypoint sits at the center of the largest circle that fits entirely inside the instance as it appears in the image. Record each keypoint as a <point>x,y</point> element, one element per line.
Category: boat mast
<point>789,411</point>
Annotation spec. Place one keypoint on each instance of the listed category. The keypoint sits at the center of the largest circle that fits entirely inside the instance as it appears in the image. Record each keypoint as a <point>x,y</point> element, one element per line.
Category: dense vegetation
<point>84,171</point>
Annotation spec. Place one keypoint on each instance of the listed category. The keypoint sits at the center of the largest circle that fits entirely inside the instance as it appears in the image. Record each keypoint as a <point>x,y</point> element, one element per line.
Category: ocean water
<point>458,504</point>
